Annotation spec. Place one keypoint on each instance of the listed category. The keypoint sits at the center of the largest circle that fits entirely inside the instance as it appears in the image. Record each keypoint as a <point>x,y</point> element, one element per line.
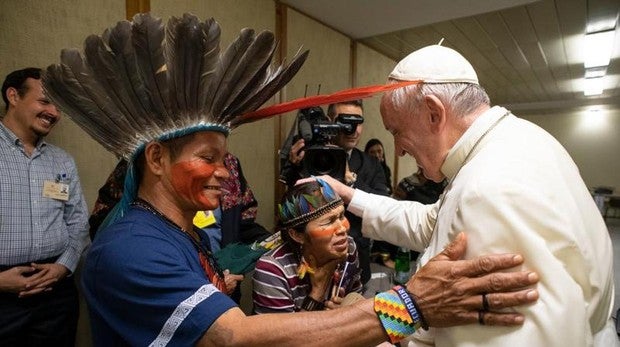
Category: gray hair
<point>459,98</point>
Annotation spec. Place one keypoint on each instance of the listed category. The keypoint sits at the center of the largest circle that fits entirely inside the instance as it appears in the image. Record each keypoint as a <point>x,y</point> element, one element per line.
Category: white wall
<point>593,141</point>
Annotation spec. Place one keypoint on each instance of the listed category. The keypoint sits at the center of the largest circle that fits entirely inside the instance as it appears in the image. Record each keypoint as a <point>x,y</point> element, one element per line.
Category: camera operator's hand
<point>297,154</point>
<point>349,177</point>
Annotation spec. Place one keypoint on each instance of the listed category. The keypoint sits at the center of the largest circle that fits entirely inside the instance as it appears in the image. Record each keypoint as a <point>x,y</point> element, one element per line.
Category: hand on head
<point>345,192</point>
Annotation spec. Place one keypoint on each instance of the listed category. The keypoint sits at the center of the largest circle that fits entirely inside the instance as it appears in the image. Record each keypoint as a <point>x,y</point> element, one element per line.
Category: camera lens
<point>323,163</point>
<point>348,129</point>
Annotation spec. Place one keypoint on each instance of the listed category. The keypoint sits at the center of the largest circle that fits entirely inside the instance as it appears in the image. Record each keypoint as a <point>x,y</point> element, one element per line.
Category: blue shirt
<point>214,231</point>
<point>34,227</point>
<point>144,285</point>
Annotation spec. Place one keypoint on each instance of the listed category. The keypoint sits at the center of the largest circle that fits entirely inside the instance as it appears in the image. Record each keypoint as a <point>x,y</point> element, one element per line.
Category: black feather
<point>210,59</point>
<point>251,68</point>
<point>272,86</point>
<point>67,93</point>
<point>223,80</point>
<point>118,39</point>
<point>147,37</point>
<point>140,80</point>
<point>184,52</point>
<point>103,68</point>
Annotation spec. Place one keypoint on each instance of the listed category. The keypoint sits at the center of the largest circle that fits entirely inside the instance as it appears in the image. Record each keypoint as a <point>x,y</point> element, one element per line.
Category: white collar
<point>458,153</point>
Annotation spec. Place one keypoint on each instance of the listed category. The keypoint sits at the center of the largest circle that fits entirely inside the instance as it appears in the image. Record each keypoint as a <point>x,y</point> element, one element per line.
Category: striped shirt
<point>278,288</point>
<point>34,227</point>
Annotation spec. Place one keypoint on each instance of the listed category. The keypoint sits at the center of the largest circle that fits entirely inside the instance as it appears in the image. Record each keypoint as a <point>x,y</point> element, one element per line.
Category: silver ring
<point>485,303</point>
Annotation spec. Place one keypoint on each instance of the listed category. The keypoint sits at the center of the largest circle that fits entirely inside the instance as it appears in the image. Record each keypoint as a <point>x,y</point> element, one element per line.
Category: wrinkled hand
<point>345,192</point>
<point>449,291</point>
<point>51,273</point>
<point>296,155</point>
<point>231,281</point>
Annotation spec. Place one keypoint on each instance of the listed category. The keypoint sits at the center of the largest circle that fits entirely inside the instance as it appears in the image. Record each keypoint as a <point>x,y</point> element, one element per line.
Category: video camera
<point>321,156</point>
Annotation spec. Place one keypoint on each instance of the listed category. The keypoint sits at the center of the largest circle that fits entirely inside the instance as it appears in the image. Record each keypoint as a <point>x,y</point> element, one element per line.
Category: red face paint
<point>332,229</point>
<point>190,179</point>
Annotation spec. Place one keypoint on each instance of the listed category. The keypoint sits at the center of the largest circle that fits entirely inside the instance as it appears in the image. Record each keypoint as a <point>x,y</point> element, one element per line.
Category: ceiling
<point>528,53</point>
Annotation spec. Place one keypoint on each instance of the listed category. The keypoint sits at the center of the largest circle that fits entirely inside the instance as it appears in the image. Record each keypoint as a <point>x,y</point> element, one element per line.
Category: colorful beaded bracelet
<point>410,305</point>
<point>394,317</point>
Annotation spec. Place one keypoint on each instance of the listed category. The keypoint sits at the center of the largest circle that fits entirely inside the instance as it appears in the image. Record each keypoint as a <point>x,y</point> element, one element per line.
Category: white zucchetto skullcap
<point>435,64</point>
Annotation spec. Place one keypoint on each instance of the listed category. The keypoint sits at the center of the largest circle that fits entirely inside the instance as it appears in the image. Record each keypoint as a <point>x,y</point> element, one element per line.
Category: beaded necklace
<point>207,260</point>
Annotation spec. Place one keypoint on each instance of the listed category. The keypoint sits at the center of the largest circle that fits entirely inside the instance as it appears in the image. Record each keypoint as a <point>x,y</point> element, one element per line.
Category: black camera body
<point>348,122</point>
<point>321,156</point>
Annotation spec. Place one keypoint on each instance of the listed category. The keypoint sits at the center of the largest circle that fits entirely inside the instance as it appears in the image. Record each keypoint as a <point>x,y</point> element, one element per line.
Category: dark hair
<point>331,109</point>
<point>176,145</point>
<point>17,79</point>
<point>371,143</point>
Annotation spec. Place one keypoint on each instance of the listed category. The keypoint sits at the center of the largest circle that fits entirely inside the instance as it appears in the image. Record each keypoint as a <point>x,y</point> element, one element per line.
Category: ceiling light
<point>596,72</point>
<point>598,47</point>
<point>593,86</point>
<point>593,118</point>
<point>602,24</point>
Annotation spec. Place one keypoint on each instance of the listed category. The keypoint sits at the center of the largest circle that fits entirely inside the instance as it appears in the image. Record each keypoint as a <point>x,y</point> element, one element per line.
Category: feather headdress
<point>142,80</point>
<point>307,202</point>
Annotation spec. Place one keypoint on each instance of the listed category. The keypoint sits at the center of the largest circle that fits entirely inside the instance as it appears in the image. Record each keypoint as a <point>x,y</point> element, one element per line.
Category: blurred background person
<point>418,188</point>
<point>374,148</point>
<point>382,252</point>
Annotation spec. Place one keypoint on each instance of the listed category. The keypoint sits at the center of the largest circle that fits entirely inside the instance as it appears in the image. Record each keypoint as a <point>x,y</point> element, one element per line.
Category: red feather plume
<point>317,100</point>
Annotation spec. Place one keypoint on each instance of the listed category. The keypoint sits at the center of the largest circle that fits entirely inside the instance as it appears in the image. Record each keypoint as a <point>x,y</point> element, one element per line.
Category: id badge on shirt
<point>56,190</point>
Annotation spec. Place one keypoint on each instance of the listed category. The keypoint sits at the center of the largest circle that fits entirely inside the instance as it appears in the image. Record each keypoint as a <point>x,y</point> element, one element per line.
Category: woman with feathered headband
<point>164,97</point>
<point>317,264</point>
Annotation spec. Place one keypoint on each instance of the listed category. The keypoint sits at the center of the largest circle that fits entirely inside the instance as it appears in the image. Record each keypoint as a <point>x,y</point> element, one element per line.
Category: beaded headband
<point>299,209</point>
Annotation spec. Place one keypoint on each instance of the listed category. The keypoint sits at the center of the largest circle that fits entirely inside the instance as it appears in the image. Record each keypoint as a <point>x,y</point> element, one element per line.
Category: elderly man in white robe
<point>512,188</point>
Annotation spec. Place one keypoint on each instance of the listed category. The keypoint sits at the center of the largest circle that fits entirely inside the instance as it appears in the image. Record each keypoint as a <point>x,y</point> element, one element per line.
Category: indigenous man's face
<point>198,171</point>
<point>327,236</point>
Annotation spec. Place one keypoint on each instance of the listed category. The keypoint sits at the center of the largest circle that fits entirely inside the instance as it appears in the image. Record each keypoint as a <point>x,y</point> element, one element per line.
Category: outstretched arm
<point>448,292</point>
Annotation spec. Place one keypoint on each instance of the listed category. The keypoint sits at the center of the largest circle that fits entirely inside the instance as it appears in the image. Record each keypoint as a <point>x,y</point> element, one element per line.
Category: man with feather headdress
<point>165,98</point>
